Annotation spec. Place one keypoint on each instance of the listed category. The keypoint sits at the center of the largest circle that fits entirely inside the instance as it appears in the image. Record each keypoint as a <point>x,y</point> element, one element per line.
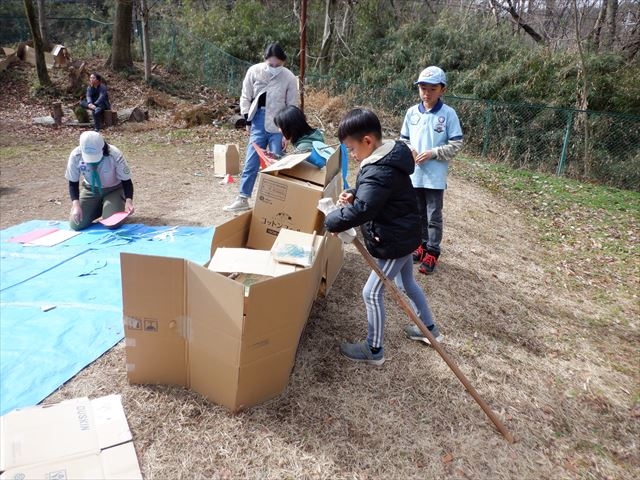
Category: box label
<point>272,191</point>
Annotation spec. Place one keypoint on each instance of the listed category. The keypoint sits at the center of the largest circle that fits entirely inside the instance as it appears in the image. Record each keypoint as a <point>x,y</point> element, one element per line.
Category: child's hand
<point>345,198</point>
<point>424,156</point>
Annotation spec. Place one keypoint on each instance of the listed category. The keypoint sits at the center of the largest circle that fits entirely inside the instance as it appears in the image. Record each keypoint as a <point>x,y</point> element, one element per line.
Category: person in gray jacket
<point>268,87</point>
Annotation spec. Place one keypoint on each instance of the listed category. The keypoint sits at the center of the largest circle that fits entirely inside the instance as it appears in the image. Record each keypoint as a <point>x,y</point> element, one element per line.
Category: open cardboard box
<point>287,196</point>
<point>187,325</point>
<point>73,439</point>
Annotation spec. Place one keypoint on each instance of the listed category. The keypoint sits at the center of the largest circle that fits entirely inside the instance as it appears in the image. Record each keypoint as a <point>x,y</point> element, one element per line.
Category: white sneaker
<point>240,204</point>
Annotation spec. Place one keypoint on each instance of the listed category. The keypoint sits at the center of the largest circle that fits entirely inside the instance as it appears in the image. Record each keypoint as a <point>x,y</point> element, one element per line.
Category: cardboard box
<point>57,57</point>
<point>74,439</point>
<point>187,325</point>
<point>226,160</point>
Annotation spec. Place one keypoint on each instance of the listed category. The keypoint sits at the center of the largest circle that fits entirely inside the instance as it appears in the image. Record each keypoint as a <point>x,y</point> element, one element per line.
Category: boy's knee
<point>77,226</point>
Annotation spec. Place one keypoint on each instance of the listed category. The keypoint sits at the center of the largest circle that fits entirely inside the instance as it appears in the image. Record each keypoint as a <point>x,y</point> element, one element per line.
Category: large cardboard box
<point>287,196</point>
<point>74,439</point>
<point>187,325</point>
<point>226,160</point>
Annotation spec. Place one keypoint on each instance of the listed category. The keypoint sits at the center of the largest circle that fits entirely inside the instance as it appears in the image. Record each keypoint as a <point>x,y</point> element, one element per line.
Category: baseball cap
<point>91,144</point>
<point>432,75</point>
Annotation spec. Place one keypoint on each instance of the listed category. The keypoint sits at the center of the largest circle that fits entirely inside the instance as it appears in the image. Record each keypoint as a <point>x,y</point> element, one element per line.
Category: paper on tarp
<point>226,160</point>
<point>73,439</point>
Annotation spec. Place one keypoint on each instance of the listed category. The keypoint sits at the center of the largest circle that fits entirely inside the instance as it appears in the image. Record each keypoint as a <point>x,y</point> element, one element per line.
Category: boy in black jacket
<point>384,204</point>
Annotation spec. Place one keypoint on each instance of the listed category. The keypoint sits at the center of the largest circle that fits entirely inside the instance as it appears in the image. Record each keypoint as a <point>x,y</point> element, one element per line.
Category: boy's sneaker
<point>414,333</point>
<point>361,352</point>
<point>418,253</point>
<point>240,204</point>
<point>428,264</point>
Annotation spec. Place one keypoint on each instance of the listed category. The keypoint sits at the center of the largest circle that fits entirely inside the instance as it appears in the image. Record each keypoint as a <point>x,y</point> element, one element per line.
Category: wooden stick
<point>434,343</point>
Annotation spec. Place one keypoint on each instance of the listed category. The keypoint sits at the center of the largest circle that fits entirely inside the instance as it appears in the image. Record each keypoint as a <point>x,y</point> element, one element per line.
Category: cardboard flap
<point>111,422</point>
<point>295,166</point>
<point>246,260</point>
<point>233,233</point>
<point>264,315</point>
<point>154,307</point>
<point>120,463</point>
<point>49,432</point>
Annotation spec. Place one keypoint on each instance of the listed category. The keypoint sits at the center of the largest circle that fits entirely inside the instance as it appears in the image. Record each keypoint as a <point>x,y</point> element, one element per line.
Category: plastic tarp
<point>61,306</point>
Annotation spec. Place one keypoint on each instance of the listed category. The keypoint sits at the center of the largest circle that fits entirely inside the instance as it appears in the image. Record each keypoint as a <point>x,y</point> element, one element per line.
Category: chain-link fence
<point>594,145</point>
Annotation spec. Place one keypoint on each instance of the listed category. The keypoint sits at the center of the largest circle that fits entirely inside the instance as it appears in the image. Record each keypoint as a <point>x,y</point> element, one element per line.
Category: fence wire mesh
<point>585,144</point>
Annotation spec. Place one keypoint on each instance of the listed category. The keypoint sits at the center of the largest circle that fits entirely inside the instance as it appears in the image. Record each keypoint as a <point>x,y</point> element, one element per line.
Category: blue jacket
<point>384,204</point>
<point>98,96</point>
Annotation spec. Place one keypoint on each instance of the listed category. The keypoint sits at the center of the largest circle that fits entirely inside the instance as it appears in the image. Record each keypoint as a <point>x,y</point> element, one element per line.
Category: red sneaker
<point>418,253</point>
<point>428,264</point>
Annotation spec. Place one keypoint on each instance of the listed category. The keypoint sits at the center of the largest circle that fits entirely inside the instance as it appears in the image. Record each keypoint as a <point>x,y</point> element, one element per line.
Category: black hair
<point>275,50</point>
<point>98,77</point>
<point>359,122</point>
<point>105,149</point>
<point>293,123</point>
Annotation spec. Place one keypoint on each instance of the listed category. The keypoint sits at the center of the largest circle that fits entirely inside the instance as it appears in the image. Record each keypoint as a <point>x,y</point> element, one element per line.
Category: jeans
<point>373,295</point>
<point>96,112</point>
<point>262,138</point>
<point>430,202</point>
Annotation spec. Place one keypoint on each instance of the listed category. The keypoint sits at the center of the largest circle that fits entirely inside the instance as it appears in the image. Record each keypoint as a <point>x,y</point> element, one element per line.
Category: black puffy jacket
<point>384,204</point>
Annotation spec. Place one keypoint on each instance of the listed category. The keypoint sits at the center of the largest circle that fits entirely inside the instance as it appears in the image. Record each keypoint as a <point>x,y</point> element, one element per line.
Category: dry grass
<point>567,390</point>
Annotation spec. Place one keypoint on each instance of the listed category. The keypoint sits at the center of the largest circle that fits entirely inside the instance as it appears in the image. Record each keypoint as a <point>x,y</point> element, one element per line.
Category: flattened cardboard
<point>237,351</point>
<point>226,160</point>
<point>246,260</point>
<point>74,439</point>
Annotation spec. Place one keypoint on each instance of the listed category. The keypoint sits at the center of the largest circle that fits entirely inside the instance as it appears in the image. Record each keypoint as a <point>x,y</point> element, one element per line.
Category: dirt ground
<point>565,384</point>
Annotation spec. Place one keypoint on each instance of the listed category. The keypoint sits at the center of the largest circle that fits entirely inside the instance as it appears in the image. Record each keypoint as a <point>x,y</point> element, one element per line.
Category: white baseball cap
<point>432,75</point>
<point>91,145</point>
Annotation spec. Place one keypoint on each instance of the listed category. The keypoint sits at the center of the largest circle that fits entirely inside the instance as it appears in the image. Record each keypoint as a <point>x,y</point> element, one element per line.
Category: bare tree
<point>327,36</point>
<point>41,66</point>
<point>583,95</point>
<point>42,20</point>
<point>509,7</point>
<point>610,30</point>
<point>146,47</point>
<point>121,47</point>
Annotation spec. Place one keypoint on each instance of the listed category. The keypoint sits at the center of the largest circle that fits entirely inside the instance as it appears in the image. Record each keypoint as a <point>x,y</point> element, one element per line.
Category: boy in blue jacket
<point>384,204</point>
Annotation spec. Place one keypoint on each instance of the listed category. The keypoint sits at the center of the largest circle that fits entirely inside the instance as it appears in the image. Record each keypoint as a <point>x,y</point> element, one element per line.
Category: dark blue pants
<point>97,113</point>
<point>430,202</point>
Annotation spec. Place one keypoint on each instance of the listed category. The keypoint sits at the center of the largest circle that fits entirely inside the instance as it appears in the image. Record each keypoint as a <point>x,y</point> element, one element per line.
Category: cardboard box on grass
<point>190,326</point>
<point>73,439</point>
<point>226,160</point>
<point>287,196</point>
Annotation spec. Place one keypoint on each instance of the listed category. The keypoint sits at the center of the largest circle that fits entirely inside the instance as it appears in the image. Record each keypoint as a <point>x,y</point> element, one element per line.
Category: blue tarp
<point>40,350</point>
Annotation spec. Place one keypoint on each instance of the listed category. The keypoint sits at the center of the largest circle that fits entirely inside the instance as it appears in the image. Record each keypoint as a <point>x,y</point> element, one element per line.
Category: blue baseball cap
<point>432,75</point>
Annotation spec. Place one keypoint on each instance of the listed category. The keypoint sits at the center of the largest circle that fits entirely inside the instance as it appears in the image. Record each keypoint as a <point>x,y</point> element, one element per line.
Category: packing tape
<point>130,342</point>
<point>131,367</point>
<point>183,327</point>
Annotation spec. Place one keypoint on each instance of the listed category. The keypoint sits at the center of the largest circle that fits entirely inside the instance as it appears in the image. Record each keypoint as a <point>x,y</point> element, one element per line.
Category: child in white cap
<point>106,187</point>
<point>432,131</point>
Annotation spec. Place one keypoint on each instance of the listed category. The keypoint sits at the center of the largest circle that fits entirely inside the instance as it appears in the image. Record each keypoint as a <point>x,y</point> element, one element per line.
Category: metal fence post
<point>488,115</point>
<point>90,36</point>
<point>565,144</point>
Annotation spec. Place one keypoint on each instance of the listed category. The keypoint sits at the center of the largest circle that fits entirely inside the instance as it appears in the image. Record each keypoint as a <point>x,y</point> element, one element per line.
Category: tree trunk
<point>41,66</point>
<point>610,32</point>
<point>146,47</point>
<point>121,47</point>
<point>42,19</point>
<point>327,36</point>
<point>518,20</point>
<point>597,28</point>
<point>583,95</point>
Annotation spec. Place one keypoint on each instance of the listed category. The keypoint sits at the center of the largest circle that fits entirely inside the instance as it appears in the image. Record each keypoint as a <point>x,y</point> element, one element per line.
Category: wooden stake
<point>393,289</point>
